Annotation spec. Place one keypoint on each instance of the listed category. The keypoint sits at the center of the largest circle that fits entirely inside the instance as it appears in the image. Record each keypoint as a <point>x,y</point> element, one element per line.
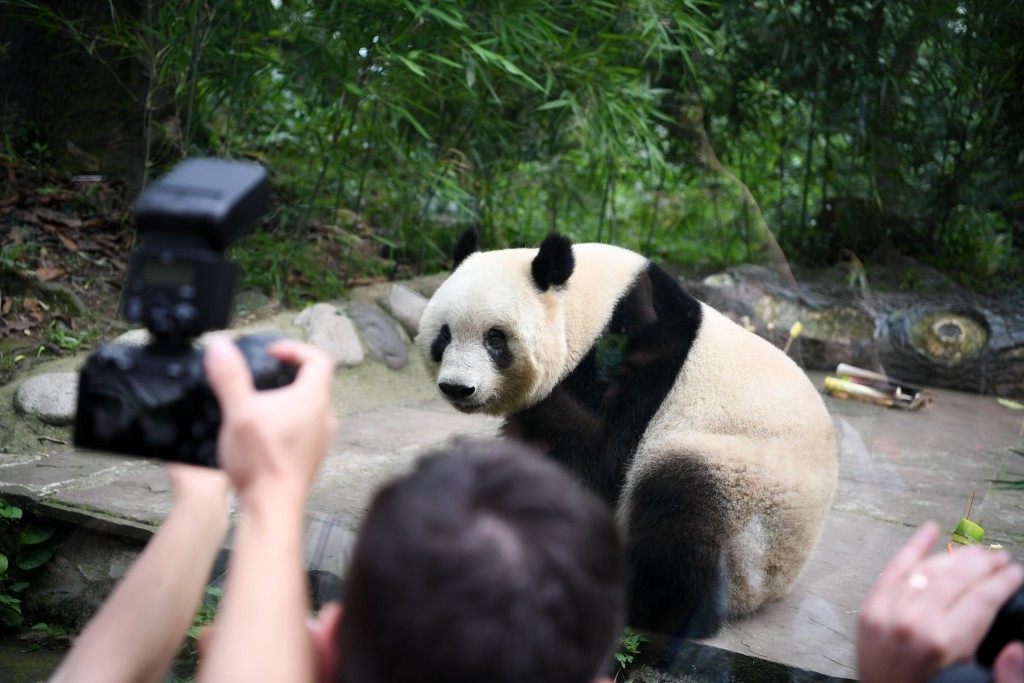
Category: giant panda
<point>715,450</point>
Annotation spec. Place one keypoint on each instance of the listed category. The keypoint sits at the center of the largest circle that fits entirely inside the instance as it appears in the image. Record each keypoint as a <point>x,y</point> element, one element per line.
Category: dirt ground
<point>63,254</point>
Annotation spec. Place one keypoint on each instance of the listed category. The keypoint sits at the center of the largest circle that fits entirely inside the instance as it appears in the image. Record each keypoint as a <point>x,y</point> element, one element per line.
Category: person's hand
<point>925,613</point>
<point>193,485</point>
<point>273,439</point>
<point>1009,665</point>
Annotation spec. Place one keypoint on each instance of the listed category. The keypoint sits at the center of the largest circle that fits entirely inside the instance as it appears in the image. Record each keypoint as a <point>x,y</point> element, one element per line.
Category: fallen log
<point>957,340</point>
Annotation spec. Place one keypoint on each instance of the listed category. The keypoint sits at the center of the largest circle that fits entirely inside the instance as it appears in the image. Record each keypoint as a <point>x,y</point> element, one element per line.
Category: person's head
<point>486,563</point>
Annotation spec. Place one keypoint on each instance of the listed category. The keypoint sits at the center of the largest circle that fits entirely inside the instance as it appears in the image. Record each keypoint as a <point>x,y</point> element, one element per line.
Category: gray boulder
<point>328,329</point>
<point>51,397</point>
<point>405,306</point>
<point>383,341</point>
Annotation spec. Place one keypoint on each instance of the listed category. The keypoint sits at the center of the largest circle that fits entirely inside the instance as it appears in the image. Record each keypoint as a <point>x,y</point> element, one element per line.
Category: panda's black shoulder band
<point>554,262</point>
<point>469,242</point>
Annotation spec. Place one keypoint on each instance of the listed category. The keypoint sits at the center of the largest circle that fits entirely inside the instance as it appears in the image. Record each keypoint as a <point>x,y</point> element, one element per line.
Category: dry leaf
<point>47,274</point>
<point>67,242</point>
<point>30,303</point>
<point>5,307</point>
<point>57,217</point>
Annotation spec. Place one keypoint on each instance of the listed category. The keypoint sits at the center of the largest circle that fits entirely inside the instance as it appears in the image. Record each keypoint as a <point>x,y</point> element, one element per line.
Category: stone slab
<point>45,475</point>
<point>141,495</point>
<point>372,447</point>
<point>896,470</point>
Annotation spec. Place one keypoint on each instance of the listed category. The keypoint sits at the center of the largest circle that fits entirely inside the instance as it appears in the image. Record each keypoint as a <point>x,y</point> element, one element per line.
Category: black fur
<point>440,343</point>
<point>496,344</point>
<point>554,262</point>
<point>677,561</point>
<point>469,243</point>
<point>593,421</point>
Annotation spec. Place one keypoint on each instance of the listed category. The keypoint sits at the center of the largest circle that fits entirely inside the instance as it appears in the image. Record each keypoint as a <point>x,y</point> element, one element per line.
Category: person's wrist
<point>274,495</point>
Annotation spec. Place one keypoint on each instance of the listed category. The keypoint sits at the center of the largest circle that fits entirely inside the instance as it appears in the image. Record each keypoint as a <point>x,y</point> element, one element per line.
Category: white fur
<point>550,332</point>
<point>751,415</point>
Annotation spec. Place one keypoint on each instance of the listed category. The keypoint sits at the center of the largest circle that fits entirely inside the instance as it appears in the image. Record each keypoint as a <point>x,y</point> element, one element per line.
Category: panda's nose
<point>455,390</point>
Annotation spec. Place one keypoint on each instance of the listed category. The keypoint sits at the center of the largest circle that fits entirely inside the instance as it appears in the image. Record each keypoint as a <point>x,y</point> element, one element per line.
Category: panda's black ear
<point>468,243</point>
<point>554,262</point>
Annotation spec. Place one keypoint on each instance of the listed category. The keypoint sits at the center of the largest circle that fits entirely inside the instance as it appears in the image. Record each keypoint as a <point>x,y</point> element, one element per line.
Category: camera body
<point>154,400</point>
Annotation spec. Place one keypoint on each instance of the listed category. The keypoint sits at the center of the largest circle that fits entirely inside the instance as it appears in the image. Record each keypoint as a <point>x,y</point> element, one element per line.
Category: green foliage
<point>20,137</point>
<point>295,270</point>
<point>629,646</point>
<point>413,115</point>
<point>55,637</point>
<point>206,614</point>
<point>24,547</point>
<point>12,256</point>
<point>69,340</point>
<point>870,125</point>
<point>856,126</point>
<point>204,617</point>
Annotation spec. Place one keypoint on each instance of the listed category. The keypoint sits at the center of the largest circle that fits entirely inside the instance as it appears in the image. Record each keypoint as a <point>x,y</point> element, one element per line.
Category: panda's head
<point>494,332</point>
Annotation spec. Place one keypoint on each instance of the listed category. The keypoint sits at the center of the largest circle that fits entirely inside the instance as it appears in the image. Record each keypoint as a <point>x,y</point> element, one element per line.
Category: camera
<point>154,400</point>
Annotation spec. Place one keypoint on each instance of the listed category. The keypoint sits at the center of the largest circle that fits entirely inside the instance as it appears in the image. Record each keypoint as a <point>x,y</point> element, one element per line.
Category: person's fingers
<point>918,547</point>
<point>313,364</point>
<point>1009,665</point>
<point>974,611</point>
<point>227,372</point>
<point>944,579</point>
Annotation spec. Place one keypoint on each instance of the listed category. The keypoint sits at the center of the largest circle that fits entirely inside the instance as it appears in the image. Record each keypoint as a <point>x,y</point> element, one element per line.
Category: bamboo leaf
<point>412,66</point>
<point>554,104</point>
<point>1012,405</point>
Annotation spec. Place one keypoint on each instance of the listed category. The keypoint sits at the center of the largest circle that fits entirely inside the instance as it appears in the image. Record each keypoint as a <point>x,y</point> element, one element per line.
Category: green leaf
<point>4,564</point>
<point>404,113</point>
<point>554,104</point>
<point>9,511</point>
<point>445,17</point>
<point>17,587</point>
<point>1012,405</point>
<point>35,556</point>
<point>412,66</point>
<point>36,533</point>
<point>10,612</point>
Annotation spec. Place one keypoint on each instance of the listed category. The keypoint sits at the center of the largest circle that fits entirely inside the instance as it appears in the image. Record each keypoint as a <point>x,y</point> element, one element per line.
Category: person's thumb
<point>1009,665</point>
<point>227,372</point>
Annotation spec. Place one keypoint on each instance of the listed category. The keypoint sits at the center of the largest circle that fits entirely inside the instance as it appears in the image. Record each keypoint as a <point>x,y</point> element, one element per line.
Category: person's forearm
<point>266,602</point>
<point>139,629</point>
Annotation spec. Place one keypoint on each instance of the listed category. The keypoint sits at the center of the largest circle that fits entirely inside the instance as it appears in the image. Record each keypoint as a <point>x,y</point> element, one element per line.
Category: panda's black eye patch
<point>440,343</point>
<point>496,344</point>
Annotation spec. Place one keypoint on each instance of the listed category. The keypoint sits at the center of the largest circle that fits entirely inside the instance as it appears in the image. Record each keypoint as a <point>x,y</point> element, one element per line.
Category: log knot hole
<point>948,338</point>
